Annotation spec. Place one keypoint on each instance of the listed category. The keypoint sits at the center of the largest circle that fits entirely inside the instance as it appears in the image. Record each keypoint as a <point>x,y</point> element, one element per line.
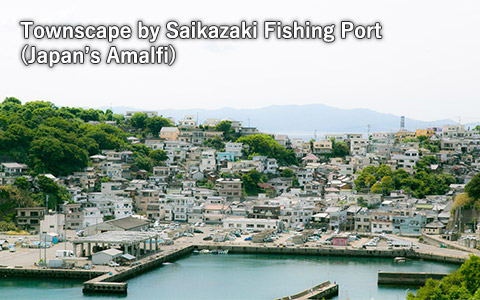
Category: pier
<point>112,282</point>
<point>324,290</point>
<point>410,279</point>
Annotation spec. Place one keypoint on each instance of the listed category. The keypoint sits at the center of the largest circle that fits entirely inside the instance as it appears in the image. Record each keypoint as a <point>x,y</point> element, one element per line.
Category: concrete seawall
<point>411,279</point>
<point>345,252</point>
<point>50,273</point>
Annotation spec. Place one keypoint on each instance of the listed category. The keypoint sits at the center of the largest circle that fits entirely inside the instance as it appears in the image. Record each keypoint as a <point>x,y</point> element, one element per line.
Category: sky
<point>425,67</point>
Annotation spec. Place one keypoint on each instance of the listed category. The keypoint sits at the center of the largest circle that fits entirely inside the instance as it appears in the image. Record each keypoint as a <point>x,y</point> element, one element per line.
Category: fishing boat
<point>399,259</point>
<point>204,251</point>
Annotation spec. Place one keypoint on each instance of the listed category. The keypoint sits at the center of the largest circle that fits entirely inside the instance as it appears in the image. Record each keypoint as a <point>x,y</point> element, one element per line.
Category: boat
<point>222,251</point>
<point>399,259</point>
<point>196,251</point>
<point>204,251</point>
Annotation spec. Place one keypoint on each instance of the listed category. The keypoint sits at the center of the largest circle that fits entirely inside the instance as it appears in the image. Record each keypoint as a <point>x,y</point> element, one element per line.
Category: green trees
<point>473,187</point>
<point>339,149</point>
<point>155,124</point>
<point>51,139</point>
<point>228,133</point>
<point>48,154</point>
<point>287,173</point>
<point>461,284</point>
<point>215,143</point>
<point>264,144</point>
<point>381,180</point>
<point>251,180</point>
<point>138,120</point>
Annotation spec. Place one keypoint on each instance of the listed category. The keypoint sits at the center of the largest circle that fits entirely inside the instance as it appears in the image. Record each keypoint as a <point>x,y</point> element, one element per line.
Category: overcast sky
<point>427,66</point>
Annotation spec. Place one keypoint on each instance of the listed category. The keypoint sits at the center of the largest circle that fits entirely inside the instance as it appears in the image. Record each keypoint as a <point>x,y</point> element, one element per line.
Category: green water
<point>238,276</point>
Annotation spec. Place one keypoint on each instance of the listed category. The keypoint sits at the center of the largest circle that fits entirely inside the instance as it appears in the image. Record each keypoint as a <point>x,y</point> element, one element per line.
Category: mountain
<point>303,120</point>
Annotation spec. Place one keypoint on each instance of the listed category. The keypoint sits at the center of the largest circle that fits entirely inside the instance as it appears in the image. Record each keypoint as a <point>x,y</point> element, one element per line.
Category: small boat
<point>215,251</point>
<point>196,251</point>
<point>399,259</point>
<point>204,251</point>
<point>222,251</point>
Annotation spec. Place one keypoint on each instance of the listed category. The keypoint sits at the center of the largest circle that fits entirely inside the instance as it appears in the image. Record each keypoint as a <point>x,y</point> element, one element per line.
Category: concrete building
<point>169,133</point>
<point>252,224</point>
<point>235,148</point>
<point>123,224</point>
<point>106,256</point>
<point>53,223</point>
<point>231,189</point>
<point>28,218</point>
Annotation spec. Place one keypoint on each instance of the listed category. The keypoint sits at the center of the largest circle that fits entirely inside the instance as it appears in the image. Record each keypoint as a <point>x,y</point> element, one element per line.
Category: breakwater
<point>404,278</point>
<point>324,290</point>
<point>49,273</point>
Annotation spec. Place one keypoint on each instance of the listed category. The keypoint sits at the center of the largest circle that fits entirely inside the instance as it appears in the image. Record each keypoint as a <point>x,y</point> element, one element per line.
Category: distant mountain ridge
<point>302,119</point>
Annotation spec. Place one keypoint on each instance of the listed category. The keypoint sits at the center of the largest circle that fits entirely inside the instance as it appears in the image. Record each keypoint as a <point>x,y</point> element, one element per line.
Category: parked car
<point>208,238</point>
<point>113,264</point>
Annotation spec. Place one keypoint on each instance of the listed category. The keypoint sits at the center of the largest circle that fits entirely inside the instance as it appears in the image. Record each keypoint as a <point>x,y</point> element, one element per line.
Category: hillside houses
<point>210,177</point>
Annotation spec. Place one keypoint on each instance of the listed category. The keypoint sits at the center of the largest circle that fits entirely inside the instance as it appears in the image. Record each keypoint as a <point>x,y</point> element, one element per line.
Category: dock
<point>112,282</point>
<point>407,278</point>
<point>324,290</point>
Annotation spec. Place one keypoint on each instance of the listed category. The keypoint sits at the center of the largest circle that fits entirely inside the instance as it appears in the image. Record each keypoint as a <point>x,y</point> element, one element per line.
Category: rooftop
<point>117,237</point>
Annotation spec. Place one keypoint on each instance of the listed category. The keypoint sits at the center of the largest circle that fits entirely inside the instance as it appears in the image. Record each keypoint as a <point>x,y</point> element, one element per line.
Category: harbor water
<point>239,276</point>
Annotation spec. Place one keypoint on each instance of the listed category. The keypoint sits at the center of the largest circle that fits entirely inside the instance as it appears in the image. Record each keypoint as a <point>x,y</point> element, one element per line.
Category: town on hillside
<point>85,170</point>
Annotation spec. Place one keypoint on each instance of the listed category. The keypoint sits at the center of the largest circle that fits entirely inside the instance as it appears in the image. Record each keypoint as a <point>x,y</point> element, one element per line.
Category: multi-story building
<point>235,148</point>
<point>28,218</point>
<point>229,188</point>
<point>208,161</point>
<point>73,216</point>
<point>169,133</point>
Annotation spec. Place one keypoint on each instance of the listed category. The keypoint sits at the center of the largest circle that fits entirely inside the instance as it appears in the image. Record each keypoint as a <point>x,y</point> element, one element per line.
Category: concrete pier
<point>49,273</point>
<point>112,282</point>
<point>411,279</point>
<point>324,290</point>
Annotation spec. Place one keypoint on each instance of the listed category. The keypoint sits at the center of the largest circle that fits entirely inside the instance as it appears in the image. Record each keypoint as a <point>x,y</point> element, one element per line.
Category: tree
<point>158,156</point>
<point>287,173</point>
<point>155,124</point>
<point>264,144</point>
<point>138,120</point>
<point>250,182</point>
<point>340,149</point>
<point>144,162</point>
<point>473,187</point>
<point>215,143</point>
<point>461,284</point>
<point>22,183</point>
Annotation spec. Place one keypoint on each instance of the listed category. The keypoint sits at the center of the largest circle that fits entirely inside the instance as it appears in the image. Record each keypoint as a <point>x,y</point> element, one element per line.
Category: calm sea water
<point>238,276</point>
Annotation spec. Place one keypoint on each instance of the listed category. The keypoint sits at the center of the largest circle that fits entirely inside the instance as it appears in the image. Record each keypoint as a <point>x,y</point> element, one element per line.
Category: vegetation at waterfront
<point>461,284</point>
